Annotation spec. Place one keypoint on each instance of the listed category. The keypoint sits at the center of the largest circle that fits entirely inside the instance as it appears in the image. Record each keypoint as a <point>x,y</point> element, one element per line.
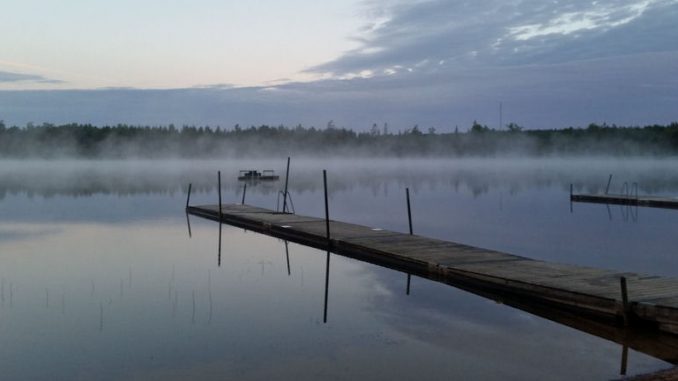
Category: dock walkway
<point>651,299</point>
<point>618,199</point>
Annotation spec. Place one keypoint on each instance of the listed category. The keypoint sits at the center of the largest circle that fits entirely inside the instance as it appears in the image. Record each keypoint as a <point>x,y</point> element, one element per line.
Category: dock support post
<point>287,179</point>
<point>327,208</point>
<point>609,181</point>
<point>219,248</point>
<point>327,227</point>
<point>571,210</point>
<point>219,191</point>
<point>244,191</point>
<point>188,197</point>
<point>625,300</point>
<point>409,212</point>
<point>407,291</point>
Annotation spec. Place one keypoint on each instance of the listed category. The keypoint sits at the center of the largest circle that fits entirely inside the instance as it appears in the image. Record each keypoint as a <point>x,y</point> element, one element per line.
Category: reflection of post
<point>193,314</point>
<point>287,180</point>
<point>209,295</point>
<point>188,197</point>
<point>571,186</point>
<point>101,316</point>
<point>219,250</point>
<point>188,223</point>
<point>287,254</point>
<point>624,360</point>
<point>327,284</point>
<point>609,212</point>
<point>409,276</point>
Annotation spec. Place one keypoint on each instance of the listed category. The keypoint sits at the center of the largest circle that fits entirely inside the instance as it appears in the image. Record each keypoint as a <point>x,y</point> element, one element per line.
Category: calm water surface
<point>102,279</point>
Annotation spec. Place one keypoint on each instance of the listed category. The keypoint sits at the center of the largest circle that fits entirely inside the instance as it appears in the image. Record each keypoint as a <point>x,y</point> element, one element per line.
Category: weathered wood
<point>648,201</point>
<point>651,299</point>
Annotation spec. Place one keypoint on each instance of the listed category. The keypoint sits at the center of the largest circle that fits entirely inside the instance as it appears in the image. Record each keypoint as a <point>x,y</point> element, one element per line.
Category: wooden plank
<point>647,201</point>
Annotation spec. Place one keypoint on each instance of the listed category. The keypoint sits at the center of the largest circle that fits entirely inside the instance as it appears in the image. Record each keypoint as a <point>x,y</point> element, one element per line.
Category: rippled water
<point>100,278</point>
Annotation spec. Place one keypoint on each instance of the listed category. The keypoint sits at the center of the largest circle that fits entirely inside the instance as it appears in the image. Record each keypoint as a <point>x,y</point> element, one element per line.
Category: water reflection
<point>287,257</point>
<point>327,286</point>
<point>131,295</point>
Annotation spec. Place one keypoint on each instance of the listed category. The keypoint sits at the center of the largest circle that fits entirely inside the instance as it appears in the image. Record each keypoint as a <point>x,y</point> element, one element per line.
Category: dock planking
<point>652,300</point>
<point>616,199</point>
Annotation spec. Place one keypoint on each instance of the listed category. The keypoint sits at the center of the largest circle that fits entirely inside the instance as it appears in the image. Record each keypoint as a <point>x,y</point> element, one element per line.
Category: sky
<point>433,63</point>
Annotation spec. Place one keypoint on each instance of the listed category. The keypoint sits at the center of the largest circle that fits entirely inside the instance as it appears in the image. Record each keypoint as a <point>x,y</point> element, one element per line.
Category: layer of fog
<point>89,177</point>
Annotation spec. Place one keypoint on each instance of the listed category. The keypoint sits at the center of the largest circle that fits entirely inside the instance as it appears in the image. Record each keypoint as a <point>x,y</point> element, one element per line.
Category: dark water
<point>100,279</point>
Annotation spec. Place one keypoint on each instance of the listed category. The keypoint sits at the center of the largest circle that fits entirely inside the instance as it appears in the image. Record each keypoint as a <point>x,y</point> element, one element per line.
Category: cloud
<point>632,91</point>
<point>500,32</point>
<point>18,77</point>
<point>435,63</point>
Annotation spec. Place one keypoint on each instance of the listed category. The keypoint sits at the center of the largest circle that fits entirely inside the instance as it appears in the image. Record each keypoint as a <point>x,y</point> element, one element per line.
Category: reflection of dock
<point>649,201</point>
<point>646,299</point>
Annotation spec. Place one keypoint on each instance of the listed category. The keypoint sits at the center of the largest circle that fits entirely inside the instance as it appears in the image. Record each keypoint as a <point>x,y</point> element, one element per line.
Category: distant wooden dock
<point>646,300</point>
<point>616,199</point>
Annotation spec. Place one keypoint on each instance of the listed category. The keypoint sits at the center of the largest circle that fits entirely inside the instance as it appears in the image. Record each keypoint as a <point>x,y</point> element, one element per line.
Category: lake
<point>103,275</point>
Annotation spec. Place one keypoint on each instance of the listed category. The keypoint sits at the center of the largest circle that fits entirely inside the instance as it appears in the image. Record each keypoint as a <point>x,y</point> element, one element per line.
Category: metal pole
<point>244,191</point>
<point>409,212</point>
<point>219,191</point>
<point>625,300</point>
<point>219,249</point>
<point>287,179</point>
<point>327,209</point>
<point>609,180</point>
<point>188,197</point>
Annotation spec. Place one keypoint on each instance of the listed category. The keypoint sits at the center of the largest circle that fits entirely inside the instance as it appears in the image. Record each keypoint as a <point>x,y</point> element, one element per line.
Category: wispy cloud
<point>6,76</point>
<point>444,34</point>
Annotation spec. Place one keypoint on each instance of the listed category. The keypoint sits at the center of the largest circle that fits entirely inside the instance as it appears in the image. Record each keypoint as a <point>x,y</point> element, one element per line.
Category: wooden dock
<point>617,199</point>
<point>652,301</point>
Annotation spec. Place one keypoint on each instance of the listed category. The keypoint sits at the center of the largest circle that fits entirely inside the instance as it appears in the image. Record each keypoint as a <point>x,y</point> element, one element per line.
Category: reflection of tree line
<point>477,182</point>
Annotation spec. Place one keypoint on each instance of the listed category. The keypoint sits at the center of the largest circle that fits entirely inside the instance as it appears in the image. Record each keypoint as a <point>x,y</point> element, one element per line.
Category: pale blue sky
<point>436,63</point>
<point>170,43</point>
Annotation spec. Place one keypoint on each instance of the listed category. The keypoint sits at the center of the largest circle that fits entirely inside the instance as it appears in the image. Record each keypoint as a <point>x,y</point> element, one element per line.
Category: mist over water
<point>99,276</point>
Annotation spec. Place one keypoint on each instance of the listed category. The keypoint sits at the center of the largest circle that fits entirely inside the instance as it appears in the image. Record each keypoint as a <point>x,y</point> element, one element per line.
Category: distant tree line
<point>125,141</point>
